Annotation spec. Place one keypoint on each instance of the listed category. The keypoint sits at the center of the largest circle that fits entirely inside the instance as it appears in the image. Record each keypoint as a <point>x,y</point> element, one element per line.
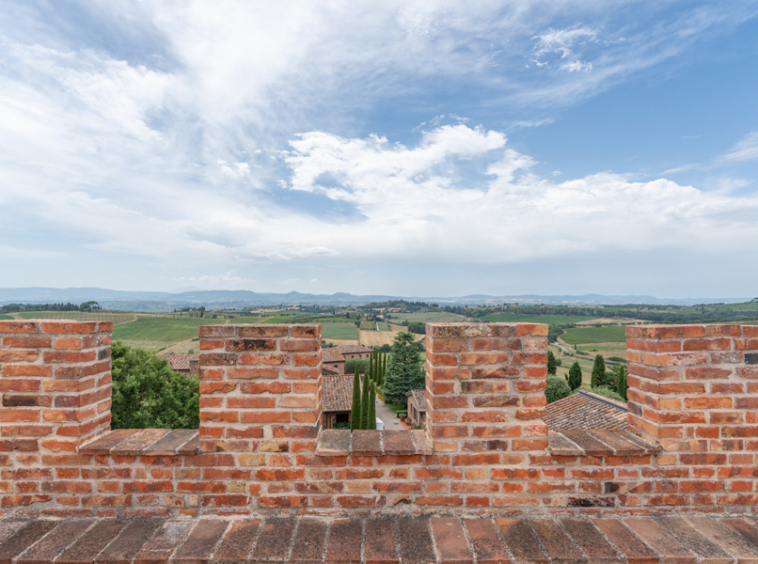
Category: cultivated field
<point>344,331</point>
<point>527,318</point>
<point>439,316</point>
<point>587,335</point>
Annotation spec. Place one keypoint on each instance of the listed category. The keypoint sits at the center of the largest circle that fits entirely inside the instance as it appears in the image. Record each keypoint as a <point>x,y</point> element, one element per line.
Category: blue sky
<point>413,148</point>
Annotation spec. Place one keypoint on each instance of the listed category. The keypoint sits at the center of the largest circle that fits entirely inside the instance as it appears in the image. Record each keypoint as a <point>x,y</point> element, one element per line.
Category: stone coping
<point>341,442</point>
<point>690,539</point>
<point>148,442</point>
<point>598,442</point>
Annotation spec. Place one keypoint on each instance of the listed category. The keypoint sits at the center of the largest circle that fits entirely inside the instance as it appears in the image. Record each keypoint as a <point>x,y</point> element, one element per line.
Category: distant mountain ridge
<point>153,301</point>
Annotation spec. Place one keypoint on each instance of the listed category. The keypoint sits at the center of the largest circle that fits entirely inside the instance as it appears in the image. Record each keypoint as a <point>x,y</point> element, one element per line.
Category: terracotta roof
<point>419,399</point>
<point>352,349</point>
<point>331,354</point>
<point>584,410</point>
<point>337,392</point>
<point>180,361</point>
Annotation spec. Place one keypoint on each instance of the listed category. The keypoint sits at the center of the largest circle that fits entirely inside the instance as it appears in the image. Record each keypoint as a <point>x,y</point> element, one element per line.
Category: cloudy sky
<point>411,147</point>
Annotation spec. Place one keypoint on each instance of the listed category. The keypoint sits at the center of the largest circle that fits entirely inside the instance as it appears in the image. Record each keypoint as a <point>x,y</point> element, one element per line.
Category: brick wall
<point>692,406</point>
<point>56,392</point>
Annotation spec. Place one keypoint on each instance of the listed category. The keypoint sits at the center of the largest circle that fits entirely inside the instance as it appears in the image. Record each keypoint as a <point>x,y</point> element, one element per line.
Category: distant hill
<point>166,301</point>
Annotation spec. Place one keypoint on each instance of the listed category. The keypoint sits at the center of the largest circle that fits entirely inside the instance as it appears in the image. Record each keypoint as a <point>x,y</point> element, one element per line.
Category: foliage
<point>574,377</point>
<point>404,373</point>
<point>621,385</point>
<point>551,365</point>
<point>607,392</point>
<point>418,327</point>
<point>353,364</point>
<point>556,389</point>
<point>365,401</point>
<point>598,372</point>
<point>148,394</point>
<point>372,408</point>
<point>355,410</point>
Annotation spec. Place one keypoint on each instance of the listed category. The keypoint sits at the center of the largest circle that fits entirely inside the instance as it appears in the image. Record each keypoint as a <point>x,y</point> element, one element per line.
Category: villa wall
<point>691,441</point>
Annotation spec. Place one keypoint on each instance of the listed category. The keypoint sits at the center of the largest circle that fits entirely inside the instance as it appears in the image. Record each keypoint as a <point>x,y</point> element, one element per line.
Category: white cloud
<point>173,142</point>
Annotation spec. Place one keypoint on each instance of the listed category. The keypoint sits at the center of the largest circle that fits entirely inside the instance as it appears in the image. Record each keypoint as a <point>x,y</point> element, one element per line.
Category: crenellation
<point>691,445</point>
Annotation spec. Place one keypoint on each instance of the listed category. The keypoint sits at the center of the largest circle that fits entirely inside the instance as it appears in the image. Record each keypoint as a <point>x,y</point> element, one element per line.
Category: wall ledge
<point>581,442</point>
<point>147,442</point>
<point>341,442</point>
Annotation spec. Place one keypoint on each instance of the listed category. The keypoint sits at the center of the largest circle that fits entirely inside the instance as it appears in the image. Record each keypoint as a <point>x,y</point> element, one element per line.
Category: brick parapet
<point>484,381</point>
<point>260,388</point>
<point>56,384</point>
<point>485,389</point>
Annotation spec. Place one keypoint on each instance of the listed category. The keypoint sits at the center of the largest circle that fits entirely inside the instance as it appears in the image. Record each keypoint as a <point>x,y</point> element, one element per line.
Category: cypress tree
<point>372,409</point>
<point>621,385</point>
<point>365,401</point>
<point>575,376</point>
<point>355,410</point>
<point>598,372</point>
<point>551,366</point>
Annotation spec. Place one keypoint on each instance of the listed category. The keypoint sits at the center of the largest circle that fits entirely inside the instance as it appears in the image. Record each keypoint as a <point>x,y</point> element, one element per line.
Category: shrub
<point>352,363</point>
<point>148,394</point>
<point>607,392</point>
<point>556,389</point>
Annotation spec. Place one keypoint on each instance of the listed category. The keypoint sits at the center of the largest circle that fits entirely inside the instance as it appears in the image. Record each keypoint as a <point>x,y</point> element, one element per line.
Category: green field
<point>593,348</point>
<point>586,335</point>
<point>438,316</point>
<point>162,330</point>
<point>3,316</point>
<point>382,326</point>
<point>526,318</point>
<point>342,331</point>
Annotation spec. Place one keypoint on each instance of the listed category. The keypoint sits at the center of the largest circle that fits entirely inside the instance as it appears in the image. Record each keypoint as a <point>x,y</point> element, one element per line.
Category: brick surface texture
<point>693,394</point>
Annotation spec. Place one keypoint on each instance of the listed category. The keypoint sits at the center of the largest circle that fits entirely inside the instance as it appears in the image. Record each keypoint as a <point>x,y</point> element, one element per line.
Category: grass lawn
<point>3,316</point>
<point>526,318</point>
<point>397,409</point>
<point>588,335</point>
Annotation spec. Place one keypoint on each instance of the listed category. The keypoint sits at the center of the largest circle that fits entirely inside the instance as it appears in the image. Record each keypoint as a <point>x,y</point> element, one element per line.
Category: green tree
<point>372,409</point>
<point>556,389</point>
<point>405,372</point>
<point>355,410</point>
<point>148,394</point>
<point>365,398</point>
<point>621,385</point>
<point>351,364</point>
<point>551,365</point>
<point>575,376</point>
<point>598,372</point>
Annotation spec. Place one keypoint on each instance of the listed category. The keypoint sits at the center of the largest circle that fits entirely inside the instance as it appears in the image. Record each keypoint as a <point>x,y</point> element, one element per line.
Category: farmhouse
<point>354,351</point>
<point>337,399</point>
<point>185,363</point>
<point>416,407</point>
<point>332,361</point>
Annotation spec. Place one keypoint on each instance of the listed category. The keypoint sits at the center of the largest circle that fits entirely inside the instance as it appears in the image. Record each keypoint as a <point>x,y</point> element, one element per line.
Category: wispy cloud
<point>746,149</point>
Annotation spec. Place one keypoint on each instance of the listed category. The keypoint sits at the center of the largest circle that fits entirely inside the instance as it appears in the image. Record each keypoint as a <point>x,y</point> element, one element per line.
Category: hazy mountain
<point>153,301</point>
